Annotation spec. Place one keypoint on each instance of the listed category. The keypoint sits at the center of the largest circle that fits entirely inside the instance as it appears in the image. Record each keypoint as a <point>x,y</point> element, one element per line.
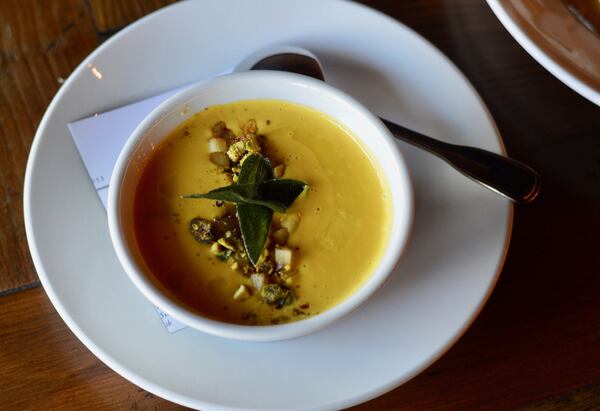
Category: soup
<point>318,251</point>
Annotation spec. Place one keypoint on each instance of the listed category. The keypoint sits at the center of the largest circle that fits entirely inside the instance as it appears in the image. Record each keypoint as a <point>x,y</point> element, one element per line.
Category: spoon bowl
<point>505,176</point>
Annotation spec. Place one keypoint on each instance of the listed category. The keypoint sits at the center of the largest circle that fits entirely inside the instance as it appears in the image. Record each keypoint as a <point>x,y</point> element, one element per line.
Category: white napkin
<point>99,140</point>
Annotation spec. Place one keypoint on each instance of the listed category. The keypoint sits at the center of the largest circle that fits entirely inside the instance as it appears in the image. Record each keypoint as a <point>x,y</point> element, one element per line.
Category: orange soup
<point>318,251</point>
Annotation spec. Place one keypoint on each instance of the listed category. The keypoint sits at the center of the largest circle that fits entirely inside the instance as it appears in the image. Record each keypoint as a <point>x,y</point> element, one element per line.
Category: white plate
<point>555,39</point>
<point>451,265</point>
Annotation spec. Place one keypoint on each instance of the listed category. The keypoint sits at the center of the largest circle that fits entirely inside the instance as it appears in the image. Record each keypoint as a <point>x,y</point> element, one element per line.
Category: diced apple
<point>258,280</point>
<point>220,159</point>
<point>283,257</point>
<point>217,145</point>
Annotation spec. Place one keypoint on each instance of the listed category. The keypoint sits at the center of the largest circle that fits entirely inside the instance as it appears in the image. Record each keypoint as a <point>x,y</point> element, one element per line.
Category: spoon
<point>505,176</point>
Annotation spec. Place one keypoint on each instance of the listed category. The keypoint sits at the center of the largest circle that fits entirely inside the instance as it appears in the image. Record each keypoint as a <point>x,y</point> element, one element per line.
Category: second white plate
<point>451,265</point>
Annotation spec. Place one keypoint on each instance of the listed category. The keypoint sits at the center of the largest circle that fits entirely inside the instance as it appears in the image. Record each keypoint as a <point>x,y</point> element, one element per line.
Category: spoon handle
<point>507,177</point>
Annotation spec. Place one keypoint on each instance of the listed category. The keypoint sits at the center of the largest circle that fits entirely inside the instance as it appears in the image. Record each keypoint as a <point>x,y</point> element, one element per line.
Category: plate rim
<point>184,400</point>
<point>541,57</point>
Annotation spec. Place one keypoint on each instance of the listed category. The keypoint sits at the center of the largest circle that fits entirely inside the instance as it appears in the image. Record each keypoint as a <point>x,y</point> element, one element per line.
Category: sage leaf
<point>255,220</point>
<point>255,169</point>
<point>255,223</point>
<point>280,192</point>
<point>237,194</point>
<point>277,195</point>
<point>232,194</point>
<point>256,196</point>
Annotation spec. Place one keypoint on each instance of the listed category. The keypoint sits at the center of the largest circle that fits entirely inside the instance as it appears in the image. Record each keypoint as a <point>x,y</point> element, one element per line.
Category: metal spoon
<point>505,176</point>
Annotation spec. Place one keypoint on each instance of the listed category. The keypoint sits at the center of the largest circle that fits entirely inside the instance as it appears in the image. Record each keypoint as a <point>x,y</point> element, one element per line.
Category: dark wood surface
<point>535,346</point>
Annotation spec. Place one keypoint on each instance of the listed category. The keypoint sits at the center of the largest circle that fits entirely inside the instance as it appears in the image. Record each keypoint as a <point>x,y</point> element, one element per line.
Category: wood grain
<point>586,398</point>
<point>40,44</point>
<point>111,15</point>
<point>44,366</point>
<point>534,346</point>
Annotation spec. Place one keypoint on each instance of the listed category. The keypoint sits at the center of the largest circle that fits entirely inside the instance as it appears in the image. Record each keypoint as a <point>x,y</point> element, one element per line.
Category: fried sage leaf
<point>256,195</point>
<point>255,222</point>
<point>277,195</point>
<point>281,192</point>
<point>255,169</point>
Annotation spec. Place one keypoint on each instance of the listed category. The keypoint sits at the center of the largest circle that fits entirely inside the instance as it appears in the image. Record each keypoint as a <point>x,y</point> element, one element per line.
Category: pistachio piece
<point>226,244</point>
<point>201,229</point>
<point>236,151</point>
<point>251,144</point>
<point>250,127</point>
<point>215,248</point>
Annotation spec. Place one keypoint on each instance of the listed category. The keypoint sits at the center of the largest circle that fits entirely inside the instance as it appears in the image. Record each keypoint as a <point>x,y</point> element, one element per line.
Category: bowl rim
<point>402,222</point>
<point>545,59</point>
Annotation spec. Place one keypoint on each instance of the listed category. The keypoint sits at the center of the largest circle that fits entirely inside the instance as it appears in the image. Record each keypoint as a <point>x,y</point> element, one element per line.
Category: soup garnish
<point>256,193</point>
<point>228,251</point>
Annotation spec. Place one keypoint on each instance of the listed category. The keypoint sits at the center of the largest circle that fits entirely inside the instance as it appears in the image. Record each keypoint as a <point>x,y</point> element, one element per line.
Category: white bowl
<point>556,39</point>
<point>243,86</point>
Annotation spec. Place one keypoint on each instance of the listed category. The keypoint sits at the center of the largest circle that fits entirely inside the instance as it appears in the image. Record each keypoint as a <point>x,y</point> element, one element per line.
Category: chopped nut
<point>224,255</point>
<point>242,293</point>
<point>236,151</point>
<point>279,170</point>
<point>215,248</point>
<point>250,127</point>
<point>280,236</point>
<point>265,266</point>
<point>217,145</point>
<point>220,159</point>
<point>290,221</point>
<point>229,222</point>
<point>226,244</point>
<point>201,229</point>
<point>275,294</point>
<point>251,144</point>
<point>235,266</point>
<point>283,257</point>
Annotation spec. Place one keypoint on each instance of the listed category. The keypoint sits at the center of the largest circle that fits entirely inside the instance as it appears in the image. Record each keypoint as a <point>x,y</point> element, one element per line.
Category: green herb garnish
<point>277,195</point>
<point>255,222</point>
<point>256,194</point>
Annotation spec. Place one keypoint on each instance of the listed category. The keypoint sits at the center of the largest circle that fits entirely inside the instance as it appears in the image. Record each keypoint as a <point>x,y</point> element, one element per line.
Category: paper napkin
<point>99,140</point>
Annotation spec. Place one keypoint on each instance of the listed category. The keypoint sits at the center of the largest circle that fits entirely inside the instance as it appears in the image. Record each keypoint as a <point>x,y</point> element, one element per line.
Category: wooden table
<point>536,345</point>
